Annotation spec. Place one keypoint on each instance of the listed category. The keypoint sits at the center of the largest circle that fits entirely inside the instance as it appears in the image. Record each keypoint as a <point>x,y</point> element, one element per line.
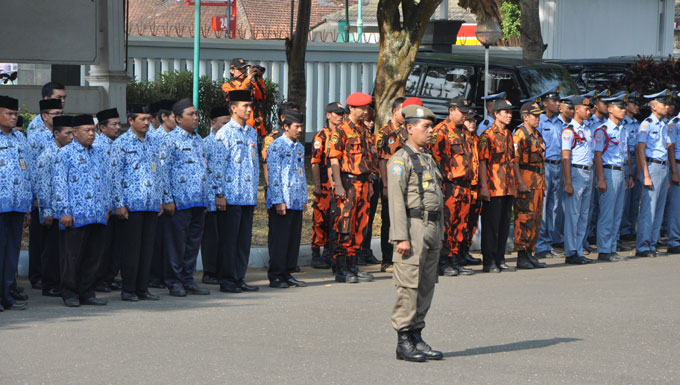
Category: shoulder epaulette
<point>649,120</point>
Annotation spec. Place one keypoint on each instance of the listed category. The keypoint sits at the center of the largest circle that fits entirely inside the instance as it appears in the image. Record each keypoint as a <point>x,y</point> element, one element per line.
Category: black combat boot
<point>534,261</point>
<point>423,347</point>
<point>361,257</point>
<point>369,258</point>
<point>523,261</point>
<point>342,272</point>
<point>318,262</point>
<point>459,264</point>
<point>361,275</point>
<point>406,350</point>
<point>445,267</point>
<point>469,259</point>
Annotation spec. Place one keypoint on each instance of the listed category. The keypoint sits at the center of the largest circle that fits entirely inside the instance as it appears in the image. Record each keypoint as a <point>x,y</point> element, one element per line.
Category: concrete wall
<point>79,100</point>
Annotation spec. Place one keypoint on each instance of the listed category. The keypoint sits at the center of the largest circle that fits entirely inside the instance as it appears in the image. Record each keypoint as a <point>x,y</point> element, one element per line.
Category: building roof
<point>369,13</point>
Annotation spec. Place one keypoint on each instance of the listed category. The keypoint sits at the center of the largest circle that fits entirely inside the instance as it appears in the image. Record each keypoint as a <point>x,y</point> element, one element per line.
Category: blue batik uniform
<point>236,150</point>
<point>577,139</point>
<point>184,169</point>
<point>632,195</point>
<point>42,179</point>
<point>654,134</point>
<point>36,124</point>
<point>38,140</point>
<point>209,144</point>
<point>552,225</point>
<point>287,182</point>
<point>611,140</point>
<point>80,186</point>
<point>15,183</point>
<point>104,142</point>
<point>136,182</point>
<point>486,123</point>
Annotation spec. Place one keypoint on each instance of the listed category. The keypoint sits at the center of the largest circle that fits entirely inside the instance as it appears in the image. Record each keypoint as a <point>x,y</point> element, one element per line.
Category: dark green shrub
<point>648,75</point>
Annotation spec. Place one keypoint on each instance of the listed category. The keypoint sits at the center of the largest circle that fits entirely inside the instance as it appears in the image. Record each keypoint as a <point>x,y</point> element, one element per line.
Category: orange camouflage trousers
<point>352,216</point>
<point>528,209</point>
<point>321,215</point>
<point>457,200</point>
<point>472,218</point>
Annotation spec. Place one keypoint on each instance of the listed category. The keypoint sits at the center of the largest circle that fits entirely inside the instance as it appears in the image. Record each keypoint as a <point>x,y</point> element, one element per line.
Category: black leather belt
<point>360,177</point>
<point>536,169</point>
<point>656,161</point>
<point>612,167</point>
<point>587,168</point>
<point>424,214</point>
<point>459,182</point>
<point>553,161</point>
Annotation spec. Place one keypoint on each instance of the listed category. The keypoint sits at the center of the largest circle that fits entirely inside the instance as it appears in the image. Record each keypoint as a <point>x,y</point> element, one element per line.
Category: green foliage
<point>23,111</point>
<point>179,85</point>
<point>510,19</point>
<point>647,75</point>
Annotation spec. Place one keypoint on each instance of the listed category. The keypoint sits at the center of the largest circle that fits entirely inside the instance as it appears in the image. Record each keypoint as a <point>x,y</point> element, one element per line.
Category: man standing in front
<point>416,209</point>
<point>82,202</point>
<point>236,192</point>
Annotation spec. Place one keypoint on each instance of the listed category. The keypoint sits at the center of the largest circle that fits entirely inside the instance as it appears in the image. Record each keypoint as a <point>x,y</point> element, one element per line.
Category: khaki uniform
<point>415,274</point>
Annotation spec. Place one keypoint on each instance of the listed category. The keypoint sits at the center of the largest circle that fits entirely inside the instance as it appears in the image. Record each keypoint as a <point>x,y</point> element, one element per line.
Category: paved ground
<point>598,324</point>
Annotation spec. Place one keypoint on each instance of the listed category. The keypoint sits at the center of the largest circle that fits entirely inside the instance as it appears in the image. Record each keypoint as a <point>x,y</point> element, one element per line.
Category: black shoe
<point>607,257</point>
<point>345,276</point>
<point>491,269</point>
<point>423,347</point>
<point>406,349</point>
<point>645,254</point>
<point>156,284</point>
<point>246,287</point>
<point>230,289</point>
<point>72,302</point>
<point>588,248</point>
<point>17,306</point>
<point>627,237</point>
<point>361,259</point>
<point>371,259</point>
<point>209,280</point>
<point>51,292</point>
<point>102,287</point>
<point>523,261</point>
<point>588,260</point>
<point>177,290</point>
<point>319,262</point>
<point>37,285</point>
<point>673,250</point>
<point>463,270</point>
<point>128,296</point>
<point>558,245</point>
<point>146,296</point>
<point>470,260</point>
<point>448,271</point>
<point>535,262</point>
<point>116,285</point>
<point>505,267</point>
<point>93,301</point>
<point>194,289</point>
<point>621,247</point>
<point>387,268</point>
<point>294,282</point>
<point>592,240</point>
<point>575,260</point>
<point>18,296</point>
<point>278,283</point>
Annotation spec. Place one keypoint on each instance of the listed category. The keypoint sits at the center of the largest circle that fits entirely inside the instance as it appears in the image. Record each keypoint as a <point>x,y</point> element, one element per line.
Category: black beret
<point>82,120</point>
<point>51,104</point>
<point>216,112</point>
<point>107,114</point>
<point>62,121</point>
<point>179,107</point>
<point>293,116</point>
<point>9,103</point>
<point>138,108</point>
<point>240,96</point>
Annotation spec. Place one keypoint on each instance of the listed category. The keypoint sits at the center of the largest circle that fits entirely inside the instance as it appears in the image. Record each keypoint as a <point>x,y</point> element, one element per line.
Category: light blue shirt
<point>654,133</point>
<point>136,182</point>
<point>15,183</point>
<point>579,140</point>
<point>236,154</point>
<point>80,186</point>
<point>551,129</point>
<point>42,179</point>
<point>184,169</point>
<point>674,133</point>
<point>631,125</point>
<point>486,123</point>
<point>286,168</point>
<point>612,141</point>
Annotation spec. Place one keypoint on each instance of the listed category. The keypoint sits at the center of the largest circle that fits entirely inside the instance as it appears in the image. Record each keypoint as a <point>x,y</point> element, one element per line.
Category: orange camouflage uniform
<point>476,205</point>
<point>529,153</point>
<point>452,150</point>
<point>354,148</point>
<point>258,89</point>
<point>389,139</point>
<point>322,202</point>
<point>497,149</point>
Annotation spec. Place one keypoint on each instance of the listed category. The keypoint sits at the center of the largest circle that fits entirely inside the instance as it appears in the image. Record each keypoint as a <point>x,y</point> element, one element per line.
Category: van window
<point>541,79</point>
<point>501,81</point>
<point>601,80</point>
<point>446,82</point>
<point>413,79</point>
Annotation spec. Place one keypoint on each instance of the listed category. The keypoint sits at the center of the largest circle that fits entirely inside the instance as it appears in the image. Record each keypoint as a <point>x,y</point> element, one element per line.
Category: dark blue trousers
<point>234,250</point>
<point>49,259</point>
<point>182,240</point>
<point>37,239</point>
<point>10,245</point>
<point>284,243</point>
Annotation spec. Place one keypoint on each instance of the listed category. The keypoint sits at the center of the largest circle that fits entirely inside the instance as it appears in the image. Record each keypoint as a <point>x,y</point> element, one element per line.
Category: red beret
<point>412,101</point>
<point>359,99</point>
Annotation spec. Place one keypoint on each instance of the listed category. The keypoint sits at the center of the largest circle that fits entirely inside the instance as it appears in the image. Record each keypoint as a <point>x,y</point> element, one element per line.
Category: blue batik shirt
<point>578,138</point>
<point>42,179</point>
<point>236,154</point>
<point>15,183</point>
<point>104,142</point>
<point>209,143</point>
<point>136,182</point>
<point>80,185</point>
<point>551,129</point>
<point>612,141</point>
<point>36,123</point>
<point>38,140</point>
<point>654,133</point>
<point>632,126</point>
<point>486,123</point>
<point>286,169</point>
<point>184,169</point>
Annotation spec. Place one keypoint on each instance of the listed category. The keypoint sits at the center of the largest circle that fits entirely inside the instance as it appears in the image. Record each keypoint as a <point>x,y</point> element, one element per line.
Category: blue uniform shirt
<point>286,168</point>
<point>42,179</point>
<point>612,141</point>
<point>209,143</point>
<point>631,125</point>
<point>579,140</point>
<point>38,140</point>
<point>236,152</point>
<point>486,123</point>
<point>104,142</point>
<point>551,129</point>
<point>184,169</point>
<point>654,133</point>
<point>36,123</point>
<point>80,186</point>
<point>15,183</point>
<point>674,132</point>
<point>136,182</point>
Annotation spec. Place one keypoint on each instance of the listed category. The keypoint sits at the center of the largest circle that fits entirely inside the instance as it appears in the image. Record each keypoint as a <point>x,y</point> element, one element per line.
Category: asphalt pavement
<point>606,323</point>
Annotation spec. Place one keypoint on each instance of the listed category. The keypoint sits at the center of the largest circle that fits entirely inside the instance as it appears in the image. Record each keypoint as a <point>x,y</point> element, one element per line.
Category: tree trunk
<point>530,29</point>
<point>483,9</point>
<point>296,47</point>
<point>399,42</point>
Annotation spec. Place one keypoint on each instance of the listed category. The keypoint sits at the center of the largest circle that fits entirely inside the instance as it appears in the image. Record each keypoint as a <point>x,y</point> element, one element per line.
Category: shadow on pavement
<point>515,346</point>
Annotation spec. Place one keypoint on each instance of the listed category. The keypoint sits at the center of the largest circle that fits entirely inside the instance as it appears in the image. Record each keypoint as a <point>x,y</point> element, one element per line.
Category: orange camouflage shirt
<point>354,148</point>
<point>268,140</point>
<point>473,139</point>
<point>497,149</point>
<point>452,151</point>
<point>529,151</point>
<point>320,147</point>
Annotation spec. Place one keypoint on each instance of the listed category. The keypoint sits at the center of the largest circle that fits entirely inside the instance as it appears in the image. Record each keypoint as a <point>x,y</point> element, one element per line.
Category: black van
<point>437,78</point>
<point>596,74</point>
